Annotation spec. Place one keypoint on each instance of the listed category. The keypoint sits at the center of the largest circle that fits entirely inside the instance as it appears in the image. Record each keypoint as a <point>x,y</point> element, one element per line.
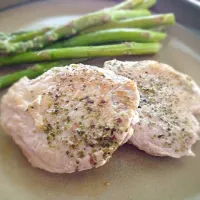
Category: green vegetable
<point>146,4</point>
<point>161,28</point>
<point>33,72</point>
<point>131,48</point>
<point>28,35</point>
<point>111,35</point>
<point>24,36</point>
<point>139,22</point>
<point>127,5</point>
<point>66,30</point>
<point>3,36</point>
<point>126,14</point>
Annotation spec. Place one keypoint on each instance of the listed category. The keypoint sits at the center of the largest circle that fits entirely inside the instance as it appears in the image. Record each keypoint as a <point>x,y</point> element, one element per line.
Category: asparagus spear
<point>139,22</point>
<point>126,14</point>
<point>3,36</point>
<point>28,35</point>
<point>57,33</point>
<point>111,35</point>
<point>161,28</point>
<point>146,4</point>
<point>16,33</point>
<point>65,30</point>
<point>33,72</point>
<point>131,48</point>
<point>24,36</point>
<point>128,4</point>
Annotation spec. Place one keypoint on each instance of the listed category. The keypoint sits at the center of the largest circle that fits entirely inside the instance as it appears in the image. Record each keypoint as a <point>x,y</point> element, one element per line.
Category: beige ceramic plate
<point>131,174</point>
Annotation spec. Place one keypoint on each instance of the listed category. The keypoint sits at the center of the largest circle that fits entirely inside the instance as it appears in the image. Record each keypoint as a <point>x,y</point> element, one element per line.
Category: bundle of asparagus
<point>125,29</point>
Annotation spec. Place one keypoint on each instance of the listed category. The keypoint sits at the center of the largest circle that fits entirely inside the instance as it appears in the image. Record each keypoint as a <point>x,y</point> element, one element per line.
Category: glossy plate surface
<point>131,174</point>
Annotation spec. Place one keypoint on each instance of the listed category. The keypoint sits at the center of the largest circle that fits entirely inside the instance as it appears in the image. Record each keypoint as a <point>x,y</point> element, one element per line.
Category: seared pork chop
<point>70,118</point>
<point>169,102</point>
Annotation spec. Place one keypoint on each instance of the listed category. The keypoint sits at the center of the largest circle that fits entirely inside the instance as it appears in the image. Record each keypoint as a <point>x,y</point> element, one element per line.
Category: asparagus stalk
<point>139,22</point>
<point>131,48</point>
<point>65,30</point>
<point>126,14</point>
<point>3,36</point>
<point>24,35</point>
<point>109,36</point>
<point>146,4</point>
<point>128,4</point>
<point>17,33</point>
<point>33,72</point>
<point>28,35</point>
<point>161,28</point>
